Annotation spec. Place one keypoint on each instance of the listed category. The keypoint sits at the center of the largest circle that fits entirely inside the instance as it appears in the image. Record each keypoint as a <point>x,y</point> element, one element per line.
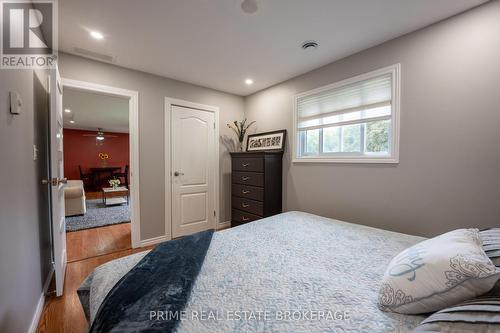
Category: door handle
<point>245,191</point>
<point>245,165</point>
<point>245,178</point>
<point>245,205</point>
<point>177,173</point>
<point>245,218</point>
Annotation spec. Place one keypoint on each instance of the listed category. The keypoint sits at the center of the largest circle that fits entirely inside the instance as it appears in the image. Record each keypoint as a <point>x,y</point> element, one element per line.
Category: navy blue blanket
<point>161,281</point>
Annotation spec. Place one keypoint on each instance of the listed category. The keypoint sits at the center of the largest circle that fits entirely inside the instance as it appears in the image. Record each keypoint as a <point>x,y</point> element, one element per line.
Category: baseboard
<point>37,314</point>
<point>39,307</point>
<point>224,225</point>
<point>154,240</point>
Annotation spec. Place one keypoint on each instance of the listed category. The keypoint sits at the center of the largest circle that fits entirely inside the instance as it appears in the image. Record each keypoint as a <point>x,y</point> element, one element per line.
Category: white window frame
<point>395,71</point>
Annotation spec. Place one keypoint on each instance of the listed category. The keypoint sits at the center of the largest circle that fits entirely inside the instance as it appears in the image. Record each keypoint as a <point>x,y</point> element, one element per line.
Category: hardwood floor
<point>86,249</point>
<point>93,242</point>
<point>65,314</point>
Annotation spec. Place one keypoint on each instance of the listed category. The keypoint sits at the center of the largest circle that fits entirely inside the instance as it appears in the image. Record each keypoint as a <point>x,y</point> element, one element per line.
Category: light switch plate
<point>15,103</point>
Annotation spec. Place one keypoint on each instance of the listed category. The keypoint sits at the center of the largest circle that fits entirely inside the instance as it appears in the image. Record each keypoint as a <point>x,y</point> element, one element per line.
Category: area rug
<point>98,215</point>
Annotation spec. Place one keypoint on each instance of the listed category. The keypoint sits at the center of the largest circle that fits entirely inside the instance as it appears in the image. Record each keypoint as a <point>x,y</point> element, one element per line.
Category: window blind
<point>368,100</point>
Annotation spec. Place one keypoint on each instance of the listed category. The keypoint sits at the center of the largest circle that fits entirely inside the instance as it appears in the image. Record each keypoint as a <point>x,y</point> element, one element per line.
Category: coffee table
<point>115,196</point>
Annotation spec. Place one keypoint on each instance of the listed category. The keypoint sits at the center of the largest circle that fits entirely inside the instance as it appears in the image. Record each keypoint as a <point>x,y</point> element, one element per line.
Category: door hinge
<point>215,214</point>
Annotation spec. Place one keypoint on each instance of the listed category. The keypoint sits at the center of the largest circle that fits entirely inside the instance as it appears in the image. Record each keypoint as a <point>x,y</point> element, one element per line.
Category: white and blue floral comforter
<point>293,272</point>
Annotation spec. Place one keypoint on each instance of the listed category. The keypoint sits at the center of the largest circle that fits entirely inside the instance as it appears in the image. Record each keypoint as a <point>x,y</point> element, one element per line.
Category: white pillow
<point>437,273</point>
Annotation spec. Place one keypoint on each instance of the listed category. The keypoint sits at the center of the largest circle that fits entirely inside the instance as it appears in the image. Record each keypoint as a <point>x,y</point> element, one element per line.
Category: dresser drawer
<point>248,164</point>
<point>248,178</point>
<point>248,206</point>
<point>250,192</point>
<point>239,217</point>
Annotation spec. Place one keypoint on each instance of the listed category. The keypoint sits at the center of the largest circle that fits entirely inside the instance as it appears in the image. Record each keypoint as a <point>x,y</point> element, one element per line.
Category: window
<point>355,120</point>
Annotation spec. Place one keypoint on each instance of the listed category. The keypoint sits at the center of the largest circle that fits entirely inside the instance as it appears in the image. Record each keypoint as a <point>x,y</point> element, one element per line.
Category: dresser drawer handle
<point>245,191</point>
<point>245,205</point>
<point>244,219</point>
<point>245,165</point>
<point>245,178</point>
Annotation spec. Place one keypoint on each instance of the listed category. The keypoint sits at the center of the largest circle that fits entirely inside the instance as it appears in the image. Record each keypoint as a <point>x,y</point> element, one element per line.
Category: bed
<point>287,270</point>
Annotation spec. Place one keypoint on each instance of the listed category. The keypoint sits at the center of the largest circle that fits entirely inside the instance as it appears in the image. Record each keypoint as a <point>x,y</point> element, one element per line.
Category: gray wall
<point>152,92</point>
<point>20,273</point>
<point>449,171</point>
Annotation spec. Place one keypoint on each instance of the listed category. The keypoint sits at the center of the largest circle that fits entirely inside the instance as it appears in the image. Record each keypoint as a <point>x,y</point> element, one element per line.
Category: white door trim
<point>169,102</point>
<point>133,97</point>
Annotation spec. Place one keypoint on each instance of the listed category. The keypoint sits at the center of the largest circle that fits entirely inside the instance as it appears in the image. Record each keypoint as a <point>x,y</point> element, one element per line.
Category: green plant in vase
<point>240,128</point>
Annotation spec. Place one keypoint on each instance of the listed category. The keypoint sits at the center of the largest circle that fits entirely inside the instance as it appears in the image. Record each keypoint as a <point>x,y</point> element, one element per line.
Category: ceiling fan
<point>99,136</point>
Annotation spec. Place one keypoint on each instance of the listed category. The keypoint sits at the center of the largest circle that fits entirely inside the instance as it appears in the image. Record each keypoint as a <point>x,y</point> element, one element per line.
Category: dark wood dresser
<point>256,185</point>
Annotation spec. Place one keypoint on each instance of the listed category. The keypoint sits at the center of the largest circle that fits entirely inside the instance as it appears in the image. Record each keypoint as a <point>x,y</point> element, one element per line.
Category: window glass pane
<point>331,139</point>
<point>351,138</point>
<point>377,136</point>
<point>312,142</point>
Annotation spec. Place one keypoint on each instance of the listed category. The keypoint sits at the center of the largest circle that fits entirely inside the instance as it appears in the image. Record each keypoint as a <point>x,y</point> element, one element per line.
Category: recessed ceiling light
<point>96,35</point>
<point>248,81</point>
<point>67,110</point>
<point>71,121</point>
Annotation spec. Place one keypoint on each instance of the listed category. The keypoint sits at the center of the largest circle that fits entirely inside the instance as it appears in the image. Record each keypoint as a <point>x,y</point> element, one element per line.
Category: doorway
<point>100,161</point>
<point>192,167</point>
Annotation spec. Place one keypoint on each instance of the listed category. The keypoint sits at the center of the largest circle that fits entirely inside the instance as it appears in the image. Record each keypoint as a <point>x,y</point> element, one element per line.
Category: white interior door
<point>57,179</point>
<point>193,170</point>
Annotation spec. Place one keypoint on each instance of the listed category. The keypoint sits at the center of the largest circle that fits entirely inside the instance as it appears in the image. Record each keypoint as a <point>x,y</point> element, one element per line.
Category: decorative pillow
<point>479,315</point>
<point>491,244</point>
<point>437,273</point>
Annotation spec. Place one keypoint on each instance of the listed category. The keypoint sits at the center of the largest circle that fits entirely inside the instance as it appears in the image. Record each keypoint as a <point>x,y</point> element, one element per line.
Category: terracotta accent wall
<point>82,150</point>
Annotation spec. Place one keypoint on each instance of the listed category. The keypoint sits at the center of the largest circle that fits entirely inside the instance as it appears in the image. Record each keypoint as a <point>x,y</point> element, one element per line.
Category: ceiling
<point>213,43</point>
<point>91,111</point>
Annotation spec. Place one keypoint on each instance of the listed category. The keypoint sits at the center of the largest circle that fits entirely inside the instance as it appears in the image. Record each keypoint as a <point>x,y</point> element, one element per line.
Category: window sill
<point>356,160</point>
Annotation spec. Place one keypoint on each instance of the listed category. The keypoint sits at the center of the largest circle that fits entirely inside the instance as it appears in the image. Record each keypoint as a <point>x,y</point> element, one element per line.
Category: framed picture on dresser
<point>268,141</point>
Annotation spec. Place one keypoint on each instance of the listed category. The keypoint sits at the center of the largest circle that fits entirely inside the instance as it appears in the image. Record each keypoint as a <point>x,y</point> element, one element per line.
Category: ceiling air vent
<point>93,55</point>
<point>310,45</point>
